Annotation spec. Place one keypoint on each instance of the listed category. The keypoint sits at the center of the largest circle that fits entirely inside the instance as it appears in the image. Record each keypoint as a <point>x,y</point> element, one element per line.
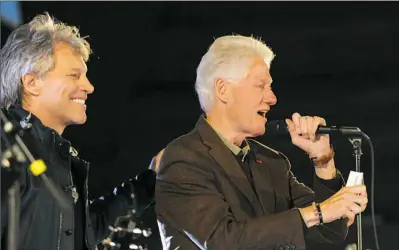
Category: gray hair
<point>229,57</point>
<point>30,48</point>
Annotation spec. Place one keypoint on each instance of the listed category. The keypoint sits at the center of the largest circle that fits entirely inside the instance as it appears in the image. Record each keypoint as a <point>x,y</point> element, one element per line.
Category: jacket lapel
<point>226,161</point>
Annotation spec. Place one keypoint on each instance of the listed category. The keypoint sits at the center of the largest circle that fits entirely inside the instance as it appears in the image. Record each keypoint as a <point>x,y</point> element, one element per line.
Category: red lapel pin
<point>259,161</point>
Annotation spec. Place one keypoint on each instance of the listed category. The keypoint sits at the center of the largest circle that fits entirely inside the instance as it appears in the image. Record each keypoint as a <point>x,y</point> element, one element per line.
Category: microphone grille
<point>276,127</point>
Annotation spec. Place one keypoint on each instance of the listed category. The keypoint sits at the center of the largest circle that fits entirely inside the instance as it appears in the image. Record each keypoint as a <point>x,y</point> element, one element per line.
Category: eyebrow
<point>80,70</point>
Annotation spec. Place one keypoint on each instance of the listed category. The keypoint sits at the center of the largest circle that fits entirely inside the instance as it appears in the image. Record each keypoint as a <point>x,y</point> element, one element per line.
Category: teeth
<point>262,113</point>
<point>79,101</point>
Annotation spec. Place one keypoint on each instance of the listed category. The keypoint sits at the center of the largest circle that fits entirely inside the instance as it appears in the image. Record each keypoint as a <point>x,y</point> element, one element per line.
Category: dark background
<point>338,60</point>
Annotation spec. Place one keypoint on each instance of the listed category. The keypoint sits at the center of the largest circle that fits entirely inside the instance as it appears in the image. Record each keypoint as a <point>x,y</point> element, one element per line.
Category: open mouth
<point>80,101</point>
<point>262,113</point>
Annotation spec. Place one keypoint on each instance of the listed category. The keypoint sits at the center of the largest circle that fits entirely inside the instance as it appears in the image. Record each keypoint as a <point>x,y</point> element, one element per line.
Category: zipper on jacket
<point>59,232</point>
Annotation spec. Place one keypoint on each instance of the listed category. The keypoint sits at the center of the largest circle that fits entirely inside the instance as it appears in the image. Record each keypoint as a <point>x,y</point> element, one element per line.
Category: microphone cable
<point>377,244</point>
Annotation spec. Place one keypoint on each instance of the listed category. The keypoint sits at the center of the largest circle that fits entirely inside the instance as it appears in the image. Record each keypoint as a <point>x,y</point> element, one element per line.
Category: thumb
<point>291,129</point>
<point>290,126</point>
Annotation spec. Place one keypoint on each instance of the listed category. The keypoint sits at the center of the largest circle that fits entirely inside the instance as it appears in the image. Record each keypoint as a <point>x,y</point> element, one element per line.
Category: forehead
<point>67,58</point>
<point>260,70</point>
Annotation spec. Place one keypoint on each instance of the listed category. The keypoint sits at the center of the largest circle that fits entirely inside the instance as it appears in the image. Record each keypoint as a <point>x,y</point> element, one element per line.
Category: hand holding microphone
<point>303,133</point>
<point>310,133</point>
<point>302,130</point>
<point>279,127</point>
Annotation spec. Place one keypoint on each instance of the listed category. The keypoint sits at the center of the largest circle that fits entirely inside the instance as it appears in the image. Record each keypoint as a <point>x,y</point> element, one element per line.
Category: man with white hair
<point>44,84</point>
<point>218,189</point>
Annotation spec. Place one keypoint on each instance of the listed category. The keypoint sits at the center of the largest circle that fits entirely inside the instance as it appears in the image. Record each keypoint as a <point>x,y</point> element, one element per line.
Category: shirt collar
<point>244,149</point>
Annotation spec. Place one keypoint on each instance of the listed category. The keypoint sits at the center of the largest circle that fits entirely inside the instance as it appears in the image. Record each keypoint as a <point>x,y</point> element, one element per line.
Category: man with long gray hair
<point>44,84</point>
<point>218,189</point>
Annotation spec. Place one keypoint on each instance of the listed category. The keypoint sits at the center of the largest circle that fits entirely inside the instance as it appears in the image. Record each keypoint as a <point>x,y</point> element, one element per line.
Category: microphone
<point>279,127</point>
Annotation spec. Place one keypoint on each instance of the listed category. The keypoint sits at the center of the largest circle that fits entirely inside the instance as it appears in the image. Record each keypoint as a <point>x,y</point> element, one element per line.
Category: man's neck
<point>224,127</point>
<point>45,118</point>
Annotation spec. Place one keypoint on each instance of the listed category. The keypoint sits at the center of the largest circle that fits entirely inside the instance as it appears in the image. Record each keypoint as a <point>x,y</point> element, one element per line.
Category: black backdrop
<point>334,59</point>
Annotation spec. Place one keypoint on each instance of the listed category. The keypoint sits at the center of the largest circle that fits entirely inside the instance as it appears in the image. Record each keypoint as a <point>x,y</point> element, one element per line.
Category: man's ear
<point>31,84</point>
<point>221,90</point>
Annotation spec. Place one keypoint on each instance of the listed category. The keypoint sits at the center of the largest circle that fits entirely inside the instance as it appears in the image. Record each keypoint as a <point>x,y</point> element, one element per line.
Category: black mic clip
<point>13,127</point>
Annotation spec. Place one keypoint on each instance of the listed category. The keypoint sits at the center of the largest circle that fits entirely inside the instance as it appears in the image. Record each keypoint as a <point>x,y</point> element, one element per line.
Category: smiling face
<point>58,98</point>
<point>250,99</point>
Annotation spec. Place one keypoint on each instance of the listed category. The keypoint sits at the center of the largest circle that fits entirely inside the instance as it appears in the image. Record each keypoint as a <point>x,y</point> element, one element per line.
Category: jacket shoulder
<point>188,149</point>
<point>187,142</point>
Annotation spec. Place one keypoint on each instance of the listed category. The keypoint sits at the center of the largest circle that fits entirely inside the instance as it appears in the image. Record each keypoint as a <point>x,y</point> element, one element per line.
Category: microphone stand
<point>131,228</point>
<point>19,153</point>
<point>357,153</point>
<point>13,218</point>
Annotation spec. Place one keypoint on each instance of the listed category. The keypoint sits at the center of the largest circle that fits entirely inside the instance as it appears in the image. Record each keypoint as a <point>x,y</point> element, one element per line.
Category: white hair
<point>229,57</point>
<point>30,48</point>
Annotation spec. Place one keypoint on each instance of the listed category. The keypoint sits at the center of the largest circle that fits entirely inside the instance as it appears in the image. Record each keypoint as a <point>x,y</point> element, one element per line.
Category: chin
<point>257,132</point>
<point>79,120</point>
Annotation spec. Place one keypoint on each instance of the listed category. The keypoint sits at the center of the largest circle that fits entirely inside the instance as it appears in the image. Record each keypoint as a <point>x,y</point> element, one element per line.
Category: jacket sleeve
<point>302,196</point>
<point>105,210</point>
<point>188,201</point>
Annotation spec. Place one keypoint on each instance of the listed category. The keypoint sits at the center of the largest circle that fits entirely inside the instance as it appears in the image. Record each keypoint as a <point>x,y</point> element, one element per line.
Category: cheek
<point>241,98</point>
<point>58,92</point>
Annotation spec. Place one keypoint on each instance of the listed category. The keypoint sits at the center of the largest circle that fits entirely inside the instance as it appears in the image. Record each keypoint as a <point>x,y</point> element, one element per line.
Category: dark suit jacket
<point>205,201</point>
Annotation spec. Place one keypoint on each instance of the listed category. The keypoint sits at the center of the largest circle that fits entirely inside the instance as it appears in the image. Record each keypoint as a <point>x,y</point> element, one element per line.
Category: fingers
<point>355,208</point>
<point>313,124</point>
<point>292,130</point>
<point>306,126</point>
<point>296,119</point>
<point>290,125</point>
<point>303,124</point>
<point>355,198</point>
<point>359,189</point>
<point>348,202</point>
<point>299,124</point>
<point>351,217</point>
<point>322,121</point>
<point>360,200</point>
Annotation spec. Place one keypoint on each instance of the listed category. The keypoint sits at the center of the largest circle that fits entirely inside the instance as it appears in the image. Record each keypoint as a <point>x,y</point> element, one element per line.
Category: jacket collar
<point>226,160</point>
<point>46,135</point>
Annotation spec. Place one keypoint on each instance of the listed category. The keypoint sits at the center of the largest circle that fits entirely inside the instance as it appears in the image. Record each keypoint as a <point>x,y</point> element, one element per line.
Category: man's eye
<point>75,76</point>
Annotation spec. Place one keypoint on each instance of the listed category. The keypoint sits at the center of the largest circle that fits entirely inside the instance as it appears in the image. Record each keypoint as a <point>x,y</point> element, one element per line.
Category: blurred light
<point>11,13</point>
